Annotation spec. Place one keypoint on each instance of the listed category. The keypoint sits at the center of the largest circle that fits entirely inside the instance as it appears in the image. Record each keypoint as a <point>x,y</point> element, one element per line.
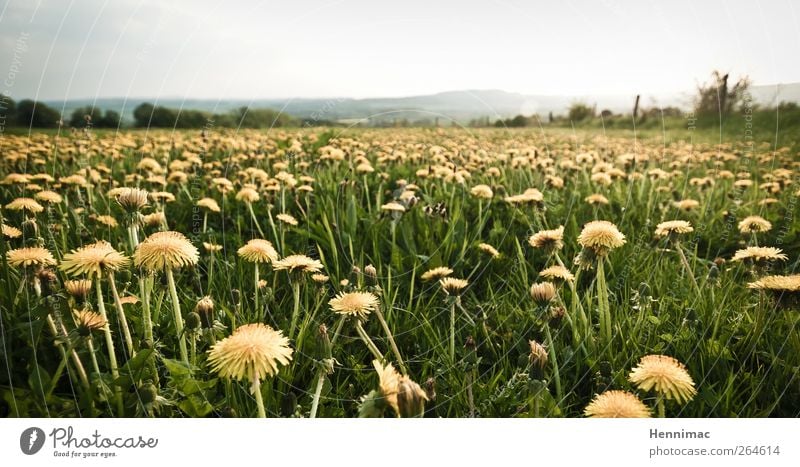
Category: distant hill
<point>460,106</point>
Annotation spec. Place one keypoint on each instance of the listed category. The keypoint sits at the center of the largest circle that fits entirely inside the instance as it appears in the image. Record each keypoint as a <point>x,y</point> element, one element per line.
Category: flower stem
<point>688,268</point>
<point>112,357</point>
<point>296,309</point>
<point>255,291</point>
<point>386,329</point>
<point>365,337</point>
<point>317,393</point>
<point>453,331</point>
<point>259,398</point>
<point>123,322</point>
<point>603,306</point>
<point>556,374</point>
<point>176,308</point>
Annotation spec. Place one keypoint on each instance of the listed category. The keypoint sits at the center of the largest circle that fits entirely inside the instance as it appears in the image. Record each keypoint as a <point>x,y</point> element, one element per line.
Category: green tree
<point>36,115</point>
<point>580,111</point>
<point>717,97</point>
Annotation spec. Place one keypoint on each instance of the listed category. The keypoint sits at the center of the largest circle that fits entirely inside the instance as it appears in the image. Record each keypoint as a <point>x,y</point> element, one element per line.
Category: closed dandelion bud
<point>236,296</point>
<point>148,393</point>
<point>228,412</point>
<point>205,309</point>
<point>48,280</point>
<point>124,275</point>
<point>537,359</point>
<point>430,388</point>
<point>324,341</point>
<point>410,398</point>
<point>543,292</point>
<point>371,272</point>
<point>713,273</point>
<point>193,321</point>
<point>30,229</point>
<point>557,314</point>
<point>356,270</point>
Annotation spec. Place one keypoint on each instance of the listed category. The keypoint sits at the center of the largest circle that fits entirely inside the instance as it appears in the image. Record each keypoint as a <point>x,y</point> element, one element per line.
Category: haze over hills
<point>459,106</point>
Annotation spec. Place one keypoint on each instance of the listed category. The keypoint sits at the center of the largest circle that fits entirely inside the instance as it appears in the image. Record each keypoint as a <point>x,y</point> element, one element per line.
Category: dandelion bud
<point>236,296</point>
<point>193,321</point>
<point>228,412</point>
<point>543,292</point>
<point>410,398</point>
<point>48,280</point>
<point>30,229</point>
<point>356,270</point>
<point>557,314</point>
<point>148,393</point>
<point>371,272</point>
<point>538,356</point>
<point>430,388</point>
<point>205,309</point>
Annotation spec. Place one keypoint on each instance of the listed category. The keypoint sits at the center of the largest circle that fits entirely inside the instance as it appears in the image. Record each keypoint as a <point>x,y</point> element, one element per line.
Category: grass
<point>653,306</point>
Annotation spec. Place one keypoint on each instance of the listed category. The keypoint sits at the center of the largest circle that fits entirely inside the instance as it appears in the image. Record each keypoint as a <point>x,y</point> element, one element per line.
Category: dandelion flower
<point>358,304</point>
<point>489,250</point>
<point>759,254</point>
<point>754,224</point>
<point>538,355</point>
<point>248,195</point>
<point>253,352</point>
<point>258,250</point>
<point>596,198</point>
<point>48,197</point>
<point>132,199</point>
<point>543,292</point>
<point>557,272</point>
<point>549,240</point>
<point>393,207</point>
<point>617,404</point>
<point>482,191</point>
<point>88,322</point>
<point>78,288</point>
<point>436,273</point>
<point>453,286</point>
<point>209,203</point>
<point>299,263</point>
<point>601,237</point>
<point>670,228</point>
<point>106,220</point>
<point>33,256</point>
<point>286,219</point>
<point>165,250</point>
<point>11,232</point>
<point>666,375</point>
<point>388,383</point>
<point>93,260</point>
<point>777,283</point>
<point>25,204</point>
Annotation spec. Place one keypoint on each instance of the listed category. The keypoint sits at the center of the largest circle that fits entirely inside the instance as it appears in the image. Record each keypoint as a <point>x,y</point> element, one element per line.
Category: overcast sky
<point>255,49</point>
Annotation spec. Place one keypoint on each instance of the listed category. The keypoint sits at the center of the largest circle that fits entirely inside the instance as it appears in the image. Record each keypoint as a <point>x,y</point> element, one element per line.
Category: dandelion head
<point>601,237</point>
<point>252,353</point>
<point>93,260</point>
<point>358,304</point>
<point>258,250</point>
<point>666,376</point>
<point>165,250</point>
<point>616,404</point>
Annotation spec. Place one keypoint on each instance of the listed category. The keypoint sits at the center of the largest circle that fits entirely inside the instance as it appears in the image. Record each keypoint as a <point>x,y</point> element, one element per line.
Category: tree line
<point>28,113</point>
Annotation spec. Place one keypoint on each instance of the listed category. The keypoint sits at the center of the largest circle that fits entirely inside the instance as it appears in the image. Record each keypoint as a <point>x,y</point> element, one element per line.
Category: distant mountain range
<point>460,106</point>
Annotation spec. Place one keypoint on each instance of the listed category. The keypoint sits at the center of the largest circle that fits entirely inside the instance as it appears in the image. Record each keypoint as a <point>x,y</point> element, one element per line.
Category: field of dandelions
<point>396,273</point>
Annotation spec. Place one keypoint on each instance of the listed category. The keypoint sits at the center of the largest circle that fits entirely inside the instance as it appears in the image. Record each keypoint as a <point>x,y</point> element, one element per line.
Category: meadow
<point>398,272</point>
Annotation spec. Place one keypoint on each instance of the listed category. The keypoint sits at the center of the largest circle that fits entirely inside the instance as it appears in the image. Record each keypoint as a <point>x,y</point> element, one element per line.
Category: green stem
<point>112,357</point>
<point>255,292</point>
<point>453,331</point>
<point>317,393</point>
<point>392,342</point>
<point>176,308</point>
<point>259,398</point>
<point>296,309</point>
<point>123,322</point>
<point>365,337</point>
<point>556,374</point>
<point>603,306</point>
<point>688,268</point>
<point>255,220</point>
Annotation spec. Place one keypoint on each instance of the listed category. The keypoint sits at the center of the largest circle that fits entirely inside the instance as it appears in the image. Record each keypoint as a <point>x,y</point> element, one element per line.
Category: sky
<point>67,49</point>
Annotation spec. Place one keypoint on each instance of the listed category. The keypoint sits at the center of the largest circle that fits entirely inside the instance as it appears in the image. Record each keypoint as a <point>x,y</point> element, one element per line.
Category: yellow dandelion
<point>48,196</point>
<point>557,272</point>
<point>617,404</point>
<point>93,260</point>
<point>666,376</point>
<point>358,304</point>
<point>286,219</point>
<point>436,273</point>
<point>601,237</point>
<point>754,224</point>
<point>165,250</point>
<point>393,207</point>
<point>297,263</point>
<point>671,228</point>
<point>32,256</point>
<point>759,254</point>
<point>549,240</point>
<point>482,192</point>
<point>25,204</point>
<point>253,352</point>
<point>453,286</point>
<point>11,232</point>
<point>489,250</point>
<point>209,203</point>
<point>258,250</point>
